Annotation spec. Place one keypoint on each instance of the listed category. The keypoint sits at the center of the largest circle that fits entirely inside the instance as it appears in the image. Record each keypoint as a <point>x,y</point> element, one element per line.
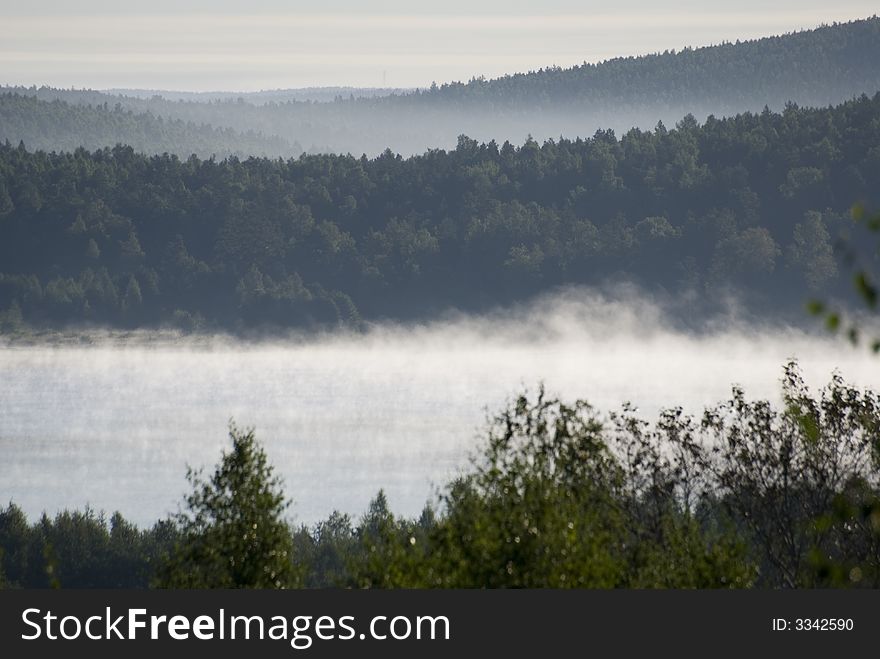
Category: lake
<point>112,423</point>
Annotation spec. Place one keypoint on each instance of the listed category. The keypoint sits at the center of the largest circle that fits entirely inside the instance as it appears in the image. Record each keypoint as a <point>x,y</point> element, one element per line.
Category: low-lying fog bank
<point>114,423</point>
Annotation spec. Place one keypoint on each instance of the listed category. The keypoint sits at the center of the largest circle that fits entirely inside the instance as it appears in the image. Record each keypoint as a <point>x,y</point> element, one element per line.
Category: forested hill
<point>59,126</point>
<point>813,67</point>
<point>818,67</point>
<point>118,238</point>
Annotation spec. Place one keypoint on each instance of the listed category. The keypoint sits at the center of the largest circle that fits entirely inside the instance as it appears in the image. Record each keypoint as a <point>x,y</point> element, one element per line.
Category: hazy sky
<point>267,44</point>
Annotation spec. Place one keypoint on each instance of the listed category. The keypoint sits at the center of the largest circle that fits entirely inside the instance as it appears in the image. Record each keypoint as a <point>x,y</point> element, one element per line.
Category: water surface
<point>114,424</point>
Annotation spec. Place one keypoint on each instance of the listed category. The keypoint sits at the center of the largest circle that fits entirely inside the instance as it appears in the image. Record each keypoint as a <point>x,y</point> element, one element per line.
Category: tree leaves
<point>233,531</point>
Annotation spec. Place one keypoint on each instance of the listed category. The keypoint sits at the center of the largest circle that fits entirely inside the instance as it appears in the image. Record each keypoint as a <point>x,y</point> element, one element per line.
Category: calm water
<point>113,425</point>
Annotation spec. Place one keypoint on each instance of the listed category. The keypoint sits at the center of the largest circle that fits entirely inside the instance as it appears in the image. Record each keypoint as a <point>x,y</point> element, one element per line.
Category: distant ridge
<point>313,94</point>
<point>60,126</point>
<point>818,68</point>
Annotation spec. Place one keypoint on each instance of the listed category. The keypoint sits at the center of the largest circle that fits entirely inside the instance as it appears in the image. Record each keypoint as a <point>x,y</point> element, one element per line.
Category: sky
<point>230,45</point>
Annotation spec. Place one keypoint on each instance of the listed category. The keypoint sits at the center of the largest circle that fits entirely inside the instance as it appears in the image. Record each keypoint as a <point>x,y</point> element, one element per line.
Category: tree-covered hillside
<point>750,203</point>
<point>59,126</point>
<point>818,67</point>
<point>811,67</point>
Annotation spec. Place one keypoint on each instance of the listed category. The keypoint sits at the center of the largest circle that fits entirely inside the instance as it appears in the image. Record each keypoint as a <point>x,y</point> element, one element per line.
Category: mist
<point>817,68</point>
<point>406,124</point>
<point>112,421</point>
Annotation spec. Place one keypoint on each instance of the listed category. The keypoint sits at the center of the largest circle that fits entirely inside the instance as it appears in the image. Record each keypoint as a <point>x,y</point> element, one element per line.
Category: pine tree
<point>233,532</point>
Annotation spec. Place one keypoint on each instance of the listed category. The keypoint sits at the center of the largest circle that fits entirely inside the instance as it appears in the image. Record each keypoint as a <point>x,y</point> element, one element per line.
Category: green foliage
<point>14,540</point>
<point>232,531</point>
<point>79,550</point>
<point>558,501</point>
<point>751,253</point>
<point>678,536</point>
<point>116,238</point>
<point>798,481</point>
<point>326,552</point>
<point>389,552</point>
<point>746,496</point>
<point>812,251</point>
<point>539,508</point>
<point>864,279</point>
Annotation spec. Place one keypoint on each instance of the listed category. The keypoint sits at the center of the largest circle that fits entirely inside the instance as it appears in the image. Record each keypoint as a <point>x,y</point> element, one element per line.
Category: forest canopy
<point>751,203</point>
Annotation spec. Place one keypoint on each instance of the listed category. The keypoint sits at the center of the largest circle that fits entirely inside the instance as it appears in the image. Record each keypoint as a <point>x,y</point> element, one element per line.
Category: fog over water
<point>113,423</point>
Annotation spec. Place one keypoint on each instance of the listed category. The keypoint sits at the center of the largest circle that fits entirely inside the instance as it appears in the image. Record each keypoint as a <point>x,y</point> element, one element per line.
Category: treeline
<point>59,126</point>
<point>817,67</point>
<point>313,94</point>
<point>748,496</point>
<point>751,203</point>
